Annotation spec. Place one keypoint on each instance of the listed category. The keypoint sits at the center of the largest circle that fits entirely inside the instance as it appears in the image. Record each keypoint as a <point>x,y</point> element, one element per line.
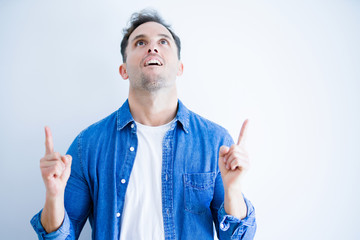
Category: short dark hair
<point>144,16</point>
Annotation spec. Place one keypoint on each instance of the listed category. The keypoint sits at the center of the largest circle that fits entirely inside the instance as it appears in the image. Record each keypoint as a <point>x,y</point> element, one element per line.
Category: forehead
<point>150,29</point>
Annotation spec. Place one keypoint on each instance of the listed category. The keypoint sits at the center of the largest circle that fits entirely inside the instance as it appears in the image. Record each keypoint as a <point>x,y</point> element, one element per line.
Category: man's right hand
<point>55,171</point>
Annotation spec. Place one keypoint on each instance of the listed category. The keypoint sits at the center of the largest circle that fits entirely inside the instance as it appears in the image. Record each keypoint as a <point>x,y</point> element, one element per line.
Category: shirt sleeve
<point>77,201</point>
<point>228,226</point>
<point>64,232</point>
<point>231,227</point>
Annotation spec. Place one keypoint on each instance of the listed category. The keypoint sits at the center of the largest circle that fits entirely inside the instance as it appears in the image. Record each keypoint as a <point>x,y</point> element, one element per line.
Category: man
<point>153,169</point>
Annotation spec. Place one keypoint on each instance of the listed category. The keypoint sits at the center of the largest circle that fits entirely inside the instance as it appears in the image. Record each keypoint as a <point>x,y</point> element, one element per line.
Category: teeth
<point>152,61</point>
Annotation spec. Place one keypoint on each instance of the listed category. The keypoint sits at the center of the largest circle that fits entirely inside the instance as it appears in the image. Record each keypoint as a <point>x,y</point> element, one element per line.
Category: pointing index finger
<point>243,132</point>
<point>49,145</point>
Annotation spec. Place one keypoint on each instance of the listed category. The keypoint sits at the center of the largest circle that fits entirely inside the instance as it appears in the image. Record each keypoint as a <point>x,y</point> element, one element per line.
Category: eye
<point>140,43</point>
<point>164,42</point>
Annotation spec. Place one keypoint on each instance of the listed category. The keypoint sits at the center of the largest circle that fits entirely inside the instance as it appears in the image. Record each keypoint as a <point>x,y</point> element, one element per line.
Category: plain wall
<point>291,67</point>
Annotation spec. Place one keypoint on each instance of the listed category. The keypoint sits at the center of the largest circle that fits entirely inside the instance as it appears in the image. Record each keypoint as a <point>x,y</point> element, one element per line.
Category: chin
<point>153,86</point>
<point>152,82</point>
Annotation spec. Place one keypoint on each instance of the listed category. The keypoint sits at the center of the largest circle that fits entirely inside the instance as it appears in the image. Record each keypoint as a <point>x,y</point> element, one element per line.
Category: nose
<point>153,49</point>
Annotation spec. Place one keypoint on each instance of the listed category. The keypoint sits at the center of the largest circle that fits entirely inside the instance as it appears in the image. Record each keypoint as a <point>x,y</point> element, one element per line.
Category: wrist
<point>234,204</point>
<point>233,191</point>
<point>54,198</point>
<point>53,213</point>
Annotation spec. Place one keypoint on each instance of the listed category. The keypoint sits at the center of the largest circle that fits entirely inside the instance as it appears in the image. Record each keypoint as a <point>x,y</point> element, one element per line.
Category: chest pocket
<point>198,191</point>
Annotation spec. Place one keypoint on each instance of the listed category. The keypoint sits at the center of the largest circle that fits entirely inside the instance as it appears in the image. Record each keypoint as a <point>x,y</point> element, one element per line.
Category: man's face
<point>152,62</point>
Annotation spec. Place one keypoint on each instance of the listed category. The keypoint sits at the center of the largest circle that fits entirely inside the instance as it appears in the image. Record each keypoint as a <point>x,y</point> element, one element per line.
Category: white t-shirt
<point>142,215</point>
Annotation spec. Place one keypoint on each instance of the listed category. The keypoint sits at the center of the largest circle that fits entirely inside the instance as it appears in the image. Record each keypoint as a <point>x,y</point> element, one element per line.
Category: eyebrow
<point>144,36</point>
<point>165,36</point>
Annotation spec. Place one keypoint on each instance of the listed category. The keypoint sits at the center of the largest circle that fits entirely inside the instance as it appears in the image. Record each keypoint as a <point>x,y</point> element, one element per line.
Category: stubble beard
<point>152,83</point>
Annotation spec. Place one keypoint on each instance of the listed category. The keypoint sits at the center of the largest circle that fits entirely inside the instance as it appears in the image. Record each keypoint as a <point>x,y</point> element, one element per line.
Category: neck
<point>153,108</point>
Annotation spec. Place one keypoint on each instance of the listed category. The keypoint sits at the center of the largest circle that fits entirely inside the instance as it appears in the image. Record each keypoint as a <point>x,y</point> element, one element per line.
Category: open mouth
<point>153,62</point>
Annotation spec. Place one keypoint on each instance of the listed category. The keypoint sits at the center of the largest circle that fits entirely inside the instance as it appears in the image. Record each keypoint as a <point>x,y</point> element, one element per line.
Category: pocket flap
<point>199,180</point>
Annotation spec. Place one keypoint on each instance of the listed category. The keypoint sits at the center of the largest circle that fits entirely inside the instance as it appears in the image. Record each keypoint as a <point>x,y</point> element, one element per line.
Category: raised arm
<point>55,171</point>
<point>233,163</point>
<point>237,215</point>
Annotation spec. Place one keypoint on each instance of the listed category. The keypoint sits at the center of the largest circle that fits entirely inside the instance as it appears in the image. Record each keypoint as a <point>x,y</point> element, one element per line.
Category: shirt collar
<point>182,116</point>
<point>124,116</point>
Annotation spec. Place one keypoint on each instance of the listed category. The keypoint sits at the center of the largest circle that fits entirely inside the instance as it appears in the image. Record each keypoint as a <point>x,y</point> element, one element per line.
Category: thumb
<point>67,159</point>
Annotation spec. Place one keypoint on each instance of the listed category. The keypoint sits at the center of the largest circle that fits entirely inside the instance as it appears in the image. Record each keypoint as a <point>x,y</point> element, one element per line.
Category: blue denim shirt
<point>192,188</point>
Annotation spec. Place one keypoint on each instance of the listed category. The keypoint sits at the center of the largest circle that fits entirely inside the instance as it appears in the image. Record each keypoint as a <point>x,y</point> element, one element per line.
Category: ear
<point>181,69</point>
<point>123,72</point>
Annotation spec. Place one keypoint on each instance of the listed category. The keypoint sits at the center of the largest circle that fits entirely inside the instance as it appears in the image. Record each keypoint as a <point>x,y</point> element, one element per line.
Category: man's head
<point>140,18</point>
<point>151,54</point>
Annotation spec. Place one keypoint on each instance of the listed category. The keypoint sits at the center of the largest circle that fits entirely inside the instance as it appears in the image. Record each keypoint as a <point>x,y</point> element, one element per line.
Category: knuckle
<point>46,174</point>
<point>57,155</point>
<point>53,168</point>
<point>59,165</point>
<point>56,164</point>
<point>49,157</point>
<point>42,165</point>
<point>236,162</point>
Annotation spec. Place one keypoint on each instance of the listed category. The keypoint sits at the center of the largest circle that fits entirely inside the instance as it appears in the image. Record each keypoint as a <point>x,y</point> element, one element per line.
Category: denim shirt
<point>192,188</point>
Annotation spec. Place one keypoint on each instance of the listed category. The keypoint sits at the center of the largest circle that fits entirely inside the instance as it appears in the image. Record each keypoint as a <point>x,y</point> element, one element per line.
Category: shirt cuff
<point>237,226</point>
<point>62,233</point>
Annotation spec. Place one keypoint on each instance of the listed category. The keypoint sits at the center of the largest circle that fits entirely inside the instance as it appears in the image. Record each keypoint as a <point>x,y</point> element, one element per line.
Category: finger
<point>239,163</point>
<point>236,148</point>
<point>231,158</point>
<point>59,170</point>
<point>55,156</point>
<point>238,151</point>
<point>243,132</point>
<point>223,151</point>
<point>49,145</point>
<point>46,164</point>
<point>236,155</point>
<point>55,170</point>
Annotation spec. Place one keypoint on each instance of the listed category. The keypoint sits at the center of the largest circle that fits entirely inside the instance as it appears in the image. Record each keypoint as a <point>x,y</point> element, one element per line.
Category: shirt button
<point>166,177</point>
<point>132,125</point>
<point>123,181</point>
<point>118,214</point>
<point>132,149</point>
<point>222,226</point>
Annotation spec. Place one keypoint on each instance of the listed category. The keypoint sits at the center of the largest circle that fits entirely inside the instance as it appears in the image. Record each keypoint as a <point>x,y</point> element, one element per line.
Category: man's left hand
<point>233,163</point>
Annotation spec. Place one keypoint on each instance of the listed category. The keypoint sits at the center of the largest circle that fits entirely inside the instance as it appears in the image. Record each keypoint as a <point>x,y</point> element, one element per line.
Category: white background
<point>291,67</point>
